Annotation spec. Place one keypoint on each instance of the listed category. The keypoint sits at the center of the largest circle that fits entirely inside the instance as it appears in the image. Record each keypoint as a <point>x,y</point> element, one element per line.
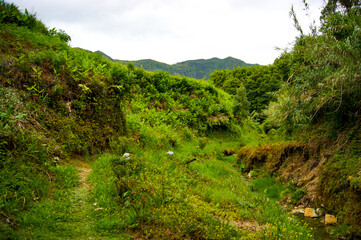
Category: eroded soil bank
<point>328,177</point>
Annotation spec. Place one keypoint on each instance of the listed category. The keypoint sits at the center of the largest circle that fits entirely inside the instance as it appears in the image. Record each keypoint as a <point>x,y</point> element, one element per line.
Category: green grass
<point>269,187</point>
<point>62,215</point>
<point>67,214</point>
<point>155,195</point>
<point>160,196</point>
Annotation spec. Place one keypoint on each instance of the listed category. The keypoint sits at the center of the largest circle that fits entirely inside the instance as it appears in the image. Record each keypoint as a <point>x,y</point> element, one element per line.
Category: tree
<point>261,83</point>
<point>231,84</point>
<point>333,6</point>
<point>218,77</point>
<point>326,87</point>
<point>241,106</point>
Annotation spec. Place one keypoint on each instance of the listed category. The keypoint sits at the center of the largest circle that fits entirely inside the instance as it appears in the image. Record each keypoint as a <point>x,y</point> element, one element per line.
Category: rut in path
<point>80,207</point>
<point>84,172</point>
<point>67,215</point>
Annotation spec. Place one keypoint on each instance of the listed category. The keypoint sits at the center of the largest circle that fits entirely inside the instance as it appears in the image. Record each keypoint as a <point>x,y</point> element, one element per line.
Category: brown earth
<point>309,166</point>
<point>294,162</point>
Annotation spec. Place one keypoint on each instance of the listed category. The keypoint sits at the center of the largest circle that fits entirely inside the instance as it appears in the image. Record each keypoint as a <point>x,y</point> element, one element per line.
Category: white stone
<point>298,210</point>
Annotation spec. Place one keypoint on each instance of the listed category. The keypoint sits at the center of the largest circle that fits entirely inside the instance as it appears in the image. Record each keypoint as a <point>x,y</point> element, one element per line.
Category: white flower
<point>170,153</point>
<point>95,204</point>
<point>127,155</point>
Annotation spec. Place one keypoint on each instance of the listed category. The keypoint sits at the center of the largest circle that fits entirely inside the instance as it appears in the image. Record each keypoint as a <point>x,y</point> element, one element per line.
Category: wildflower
<point>126,155</point>
<point>170,153</point>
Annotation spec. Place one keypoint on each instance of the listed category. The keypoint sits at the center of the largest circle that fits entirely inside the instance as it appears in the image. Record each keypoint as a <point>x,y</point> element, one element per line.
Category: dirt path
<point>80,208</point>
<point>67,215</point>
<point>84,172</point>
<point>84,227</point>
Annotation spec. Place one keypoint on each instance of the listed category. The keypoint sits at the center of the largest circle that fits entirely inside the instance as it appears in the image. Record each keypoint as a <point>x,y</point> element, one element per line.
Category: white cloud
<point>175,30</point>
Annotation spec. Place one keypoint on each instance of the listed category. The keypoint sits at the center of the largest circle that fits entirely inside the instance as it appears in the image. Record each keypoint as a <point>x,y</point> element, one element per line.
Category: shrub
<point>10,13</point>
<point>122,145</point>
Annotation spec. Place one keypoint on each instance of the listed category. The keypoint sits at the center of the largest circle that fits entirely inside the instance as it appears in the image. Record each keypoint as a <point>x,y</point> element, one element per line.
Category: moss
<point>340,192</point>
<point>269,156</point>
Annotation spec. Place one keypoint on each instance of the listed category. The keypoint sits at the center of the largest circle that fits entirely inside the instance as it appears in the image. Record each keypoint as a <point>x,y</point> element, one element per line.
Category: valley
<point>92,148</point>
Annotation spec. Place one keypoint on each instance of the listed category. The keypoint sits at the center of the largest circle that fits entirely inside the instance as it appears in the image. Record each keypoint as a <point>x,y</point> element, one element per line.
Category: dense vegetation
<point>260,84</point>
<point>198,69</point>
<point>162,148</point>
<point>325,84</point>
<point>322,96</point>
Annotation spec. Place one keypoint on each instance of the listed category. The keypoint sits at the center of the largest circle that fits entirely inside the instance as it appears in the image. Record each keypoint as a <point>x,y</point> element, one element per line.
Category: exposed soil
<point>84,172</point>
<point>295,162</point>
<point>310,166</point>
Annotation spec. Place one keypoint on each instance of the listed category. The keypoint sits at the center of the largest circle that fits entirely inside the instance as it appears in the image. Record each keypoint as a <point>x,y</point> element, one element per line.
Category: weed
<point>296,193</point>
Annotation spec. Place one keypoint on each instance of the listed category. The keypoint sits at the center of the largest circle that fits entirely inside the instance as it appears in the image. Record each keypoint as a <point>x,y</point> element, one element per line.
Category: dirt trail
<point>80,208</point>
<point>84,172</point>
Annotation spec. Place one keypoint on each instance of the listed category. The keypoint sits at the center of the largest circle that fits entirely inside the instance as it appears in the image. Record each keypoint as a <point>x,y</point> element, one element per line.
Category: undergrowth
<point>192,194</point>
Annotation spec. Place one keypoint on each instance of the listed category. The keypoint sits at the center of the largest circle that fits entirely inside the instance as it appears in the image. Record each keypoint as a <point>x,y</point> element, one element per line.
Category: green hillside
<point>91,148</point>
<point>198,69</point>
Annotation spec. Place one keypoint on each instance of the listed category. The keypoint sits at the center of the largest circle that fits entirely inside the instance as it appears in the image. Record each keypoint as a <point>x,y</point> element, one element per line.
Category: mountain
<point>198,69</point>
<point>105,56</point>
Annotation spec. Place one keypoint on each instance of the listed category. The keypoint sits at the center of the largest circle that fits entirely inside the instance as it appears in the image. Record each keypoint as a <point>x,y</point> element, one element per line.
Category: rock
<point>319,212</point>
<point>310,212</point>
<point>298,210</point>
<point>330,219</point>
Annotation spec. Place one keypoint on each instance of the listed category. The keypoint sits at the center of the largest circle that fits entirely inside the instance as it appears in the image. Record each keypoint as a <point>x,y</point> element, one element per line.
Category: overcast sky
<point>172,31</point>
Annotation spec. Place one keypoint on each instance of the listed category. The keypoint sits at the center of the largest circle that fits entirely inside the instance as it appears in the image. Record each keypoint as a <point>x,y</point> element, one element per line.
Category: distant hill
<point>105,56</point>
<point>198,69</point>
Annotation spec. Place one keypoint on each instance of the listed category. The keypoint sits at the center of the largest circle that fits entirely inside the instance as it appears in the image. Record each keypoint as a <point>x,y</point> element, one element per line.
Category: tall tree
<point>339,5</point>
<point>241,106</point>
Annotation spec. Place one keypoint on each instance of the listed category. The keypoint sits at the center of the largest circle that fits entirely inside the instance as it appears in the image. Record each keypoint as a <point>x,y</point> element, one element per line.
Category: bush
<point>24,175</point>
<point>122,145</point>
<point>10,14</point>
<point>325,86</point>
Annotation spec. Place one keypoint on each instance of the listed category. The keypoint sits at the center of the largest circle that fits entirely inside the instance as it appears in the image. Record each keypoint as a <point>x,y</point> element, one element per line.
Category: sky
<point>173,31</point>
